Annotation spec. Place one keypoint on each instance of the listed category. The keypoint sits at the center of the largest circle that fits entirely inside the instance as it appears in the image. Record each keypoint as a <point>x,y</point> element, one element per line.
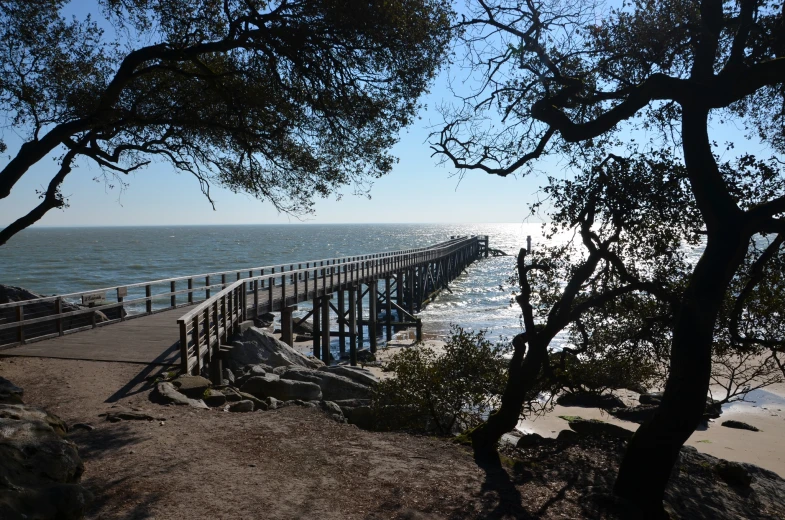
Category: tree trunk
<point>655,447</point>
<point>522,376</point>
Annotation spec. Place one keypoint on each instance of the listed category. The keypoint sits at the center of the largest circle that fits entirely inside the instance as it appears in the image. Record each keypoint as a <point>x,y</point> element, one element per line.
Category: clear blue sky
<point>416,191</point>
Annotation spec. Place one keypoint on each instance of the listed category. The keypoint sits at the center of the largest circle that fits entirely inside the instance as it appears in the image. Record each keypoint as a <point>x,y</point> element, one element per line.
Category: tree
<point>285,100</point>
<point>559,79</point>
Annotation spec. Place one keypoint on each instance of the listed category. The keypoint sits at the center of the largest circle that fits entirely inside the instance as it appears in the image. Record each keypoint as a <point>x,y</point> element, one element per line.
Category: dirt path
<point>295,463</point>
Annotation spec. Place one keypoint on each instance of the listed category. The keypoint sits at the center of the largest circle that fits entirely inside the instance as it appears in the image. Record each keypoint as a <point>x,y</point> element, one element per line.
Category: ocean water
<point>63,260</point>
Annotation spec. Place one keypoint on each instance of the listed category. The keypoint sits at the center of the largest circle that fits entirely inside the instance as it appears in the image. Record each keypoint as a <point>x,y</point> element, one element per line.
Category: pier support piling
<point>287,325</point>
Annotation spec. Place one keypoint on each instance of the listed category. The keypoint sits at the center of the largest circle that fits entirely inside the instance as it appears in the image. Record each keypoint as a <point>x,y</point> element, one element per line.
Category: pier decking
<point>138,327</point>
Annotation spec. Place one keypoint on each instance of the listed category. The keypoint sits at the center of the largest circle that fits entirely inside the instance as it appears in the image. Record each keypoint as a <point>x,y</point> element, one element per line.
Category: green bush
<point>441,392</point>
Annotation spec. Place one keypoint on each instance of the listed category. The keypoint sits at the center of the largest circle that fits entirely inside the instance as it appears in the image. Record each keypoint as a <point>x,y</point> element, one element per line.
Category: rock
<point>356,374</point>
<point>192,386</point>
<point>595,427</point>
<point>308,404</point>
<point>352,403</point>
<point>740,425</point>
<point>365,356</point>
<point>333,386</point>
<point>242,406</point>
<point>255,346</point>
<point>283,389</point>
<point>258,404</point>
<point>264,321</point>
<point>166,393</point>
<point>302,326</point>
<point>128,416</point>
<point>590,400</point>
<point>32,415</point>
<point>9,392</point>
<point>733,473</point>
<point>39,469</point>
<point>636,414</point>
<point>214,398</point>
<point>232,395</point>
<point>273,403</point>
<point>712,411</point>
<point>568,436</point>
<point>303,337</point>
<point>228,375</point>
<point>333,410</point>
<point>82,426</point>
<point>529,439</point>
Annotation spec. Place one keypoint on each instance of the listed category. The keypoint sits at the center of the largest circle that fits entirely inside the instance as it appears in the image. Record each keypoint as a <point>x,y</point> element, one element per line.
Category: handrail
<point>38,326</point>
<point>368,256</point>
<point>204,326</point>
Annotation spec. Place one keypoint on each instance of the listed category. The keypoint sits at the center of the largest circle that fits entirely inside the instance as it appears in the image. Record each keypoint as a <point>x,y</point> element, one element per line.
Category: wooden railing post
<point>59,310</point>
<point>190,290</point>
<point>183,346</point>
<point>207,284</point>
<point>148,298</point>
<point>173,297</point>
<point>20,317</point>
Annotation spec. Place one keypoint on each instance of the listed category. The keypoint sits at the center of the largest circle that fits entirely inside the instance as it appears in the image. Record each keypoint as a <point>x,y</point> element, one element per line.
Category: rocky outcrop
<point>254,346</point>
<point>740,425</point>
<point>194,387</point>
<point>595,427</point>
<point>333,386</point>
<point>590,400</point>
<point>356,374</point>
<point>712,411</point>
<point>282,389</point>
<point>166,393</point>
<point>39,468</point>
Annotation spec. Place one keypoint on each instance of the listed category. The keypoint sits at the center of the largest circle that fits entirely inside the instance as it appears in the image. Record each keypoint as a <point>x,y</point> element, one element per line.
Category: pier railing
<point>205,328</point>
<point>46,317</point>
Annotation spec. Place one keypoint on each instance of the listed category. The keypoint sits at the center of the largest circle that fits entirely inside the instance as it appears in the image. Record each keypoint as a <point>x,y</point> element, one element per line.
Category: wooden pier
<point>142,323</point>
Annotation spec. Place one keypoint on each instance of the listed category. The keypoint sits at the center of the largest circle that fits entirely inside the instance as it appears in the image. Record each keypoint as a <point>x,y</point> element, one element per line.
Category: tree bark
<point>523,374</point>
<point>655,447</point>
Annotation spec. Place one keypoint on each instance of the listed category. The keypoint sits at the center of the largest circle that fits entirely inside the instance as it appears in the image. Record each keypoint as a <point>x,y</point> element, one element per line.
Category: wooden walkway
<point>149,340</point>
<point>396,283</point>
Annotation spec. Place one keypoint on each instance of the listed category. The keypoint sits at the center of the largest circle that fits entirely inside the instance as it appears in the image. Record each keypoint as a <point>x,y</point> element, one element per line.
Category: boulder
<point>39,469</point>
<point>740,425</point>
<point>241,406</point>
<point>273,403</point>
<point>228,375</point>
<point>282,389</point>
<point>264,321</point>
<point>166,393</point>
<point>712,411</point>
<point>590,400</point>
<point>637,414</point>
<point>254,346</point>
<point>32,415</point>
<point>356,374</point>
<point>258,404</point>
<point>333,410</point>
<point>733,473</point>
<point>192,386</point>
<point>232,395</point>
<point>529,440</point>
<point>595,427</point>
<point>302,326</point>
<point>334,386</point>
<point>214,398</point>
<point>567,436</point>
<point>9,392</point>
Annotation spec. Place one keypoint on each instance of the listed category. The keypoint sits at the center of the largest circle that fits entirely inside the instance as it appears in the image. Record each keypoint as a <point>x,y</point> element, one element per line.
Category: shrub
<point>442,392</point>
